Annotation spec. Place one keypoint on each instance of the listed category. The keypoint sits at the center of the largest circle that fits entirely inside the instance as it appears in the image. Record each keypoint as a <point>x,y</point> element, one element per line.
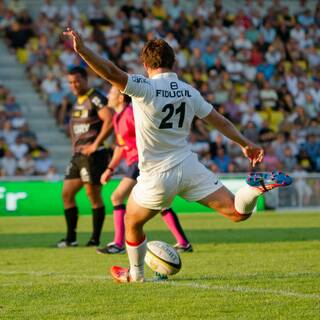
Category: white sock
<point>246,199</point>
<point>136,256</point>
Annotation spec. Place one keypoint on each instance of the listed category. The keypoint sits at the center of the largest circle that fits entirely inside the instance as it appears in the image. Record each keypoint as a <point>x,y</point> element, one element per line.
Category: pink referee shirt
<point>123,124</point>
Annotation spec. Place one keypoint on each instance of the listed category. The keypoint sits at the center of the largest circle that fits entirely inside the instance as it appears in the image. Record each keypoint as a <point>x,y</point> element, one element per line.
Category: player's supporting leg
<point>136,242</point>
<point>98,212</point>
<point>69,191</point>
<point>118,198</point>
<point>239,207</point>
<point>172,221</point>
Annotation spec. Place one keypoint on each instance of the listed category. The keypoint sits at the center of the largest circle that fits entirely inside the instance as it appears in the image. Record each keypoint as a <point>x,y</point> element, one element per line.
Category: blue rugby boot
<point>266,181</point>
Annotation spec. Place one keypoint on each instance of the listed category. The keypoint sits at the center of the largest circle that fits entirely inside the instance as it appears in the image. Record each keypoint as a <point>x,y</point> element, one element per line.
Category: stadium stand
<point>257,61</point>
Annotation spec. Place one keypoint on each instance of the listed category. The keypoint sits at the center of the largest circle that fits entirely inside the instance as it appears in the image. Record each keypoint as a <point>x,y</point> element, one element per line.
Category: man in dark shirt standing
<point>90,124</point>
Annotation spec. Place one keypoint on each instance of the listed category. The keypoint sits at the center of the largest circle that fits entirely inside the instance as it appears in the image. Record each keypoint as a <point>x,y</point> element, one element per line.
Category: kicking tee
<point>164,108</point>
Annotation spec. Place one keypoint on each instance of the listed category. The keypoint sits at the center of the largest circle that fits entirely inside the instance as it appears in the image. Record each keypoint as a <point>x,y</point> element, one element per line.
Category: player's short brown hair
<point>157,54</point>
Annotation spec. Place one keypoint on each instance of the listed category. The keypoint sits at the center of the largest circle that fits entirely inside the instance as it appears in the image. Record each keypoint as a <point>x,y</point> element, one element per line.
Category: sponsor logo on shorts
<point>84,175</point>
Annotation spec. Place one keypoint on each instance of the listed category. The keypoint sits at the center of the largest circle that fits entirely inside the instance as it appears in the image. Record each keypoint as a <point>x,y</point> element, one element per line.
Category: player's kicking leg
<point>240,206</point>
<point>136,243</point>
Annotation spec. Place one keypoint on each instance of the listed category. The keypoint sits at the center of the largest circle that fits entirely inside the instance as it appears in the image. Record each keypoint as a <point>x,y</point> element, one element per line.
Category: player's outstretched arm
<point>252,151</point>
<point>103,67</point>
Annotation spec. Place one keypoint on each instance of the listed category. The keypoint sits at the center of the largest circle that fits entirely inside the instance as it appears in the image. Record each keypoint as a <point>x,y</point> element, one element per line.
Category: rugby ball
<point>162,258</point>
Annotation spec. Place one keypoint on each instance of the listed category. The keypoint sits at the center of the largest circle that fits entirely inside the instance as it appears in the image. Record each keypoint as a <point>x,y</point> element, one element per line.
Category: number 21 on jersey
<point>169,120</point>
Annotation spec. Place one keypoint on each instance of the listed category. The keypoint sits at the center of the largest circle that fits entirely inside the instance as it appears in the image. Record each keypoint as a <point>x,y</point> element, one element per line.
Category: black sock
<point>98,215</point>
<point>71,216</point>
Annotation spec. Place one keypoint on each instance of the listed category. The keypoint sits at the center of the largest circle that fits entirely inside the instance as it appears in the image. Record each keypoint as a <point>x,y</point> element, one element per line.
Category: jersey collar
<point>165,75</point>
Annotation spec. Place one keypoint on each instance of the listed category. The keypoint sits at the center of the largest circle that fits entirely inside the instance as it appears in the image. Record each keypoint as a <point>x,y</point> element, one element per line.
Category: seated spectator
<point>49,10</point>
<point>26,134</point>
<point>305,18</point>
<point>27,165</point>
<point>241,42</point>
<point>313,57</point>
<point>251,116</point>
<point>206,159</point>
<point>52,174</point>
<point>18,121</point>
<point>267,69</point>
<point>16,6</point>
<point>312,148</point>
<point>268,32</point>
<point>273,56</point>
<point>268,97</point>
<point>298,33</point>
<point>314,128</point>
<point>216,143</point>
<point>222,160</point>
<point>200,130</point>
<point>9,133</point>
<point>49,85</point>
<point>235,69</point>
<point>69,9</point>
<point>197,146</point>
<point>8,164</point>
<point>36,149</point>
<point>95,13</point>
<point>251,131</point>
<point>42,163</point>
<point>304,160</point>
<point>266,134</point>
<point>12,108</point>
<point>271,161</point>
<point>19,148</point>
<point>289,160</point>
<point>55,98</point>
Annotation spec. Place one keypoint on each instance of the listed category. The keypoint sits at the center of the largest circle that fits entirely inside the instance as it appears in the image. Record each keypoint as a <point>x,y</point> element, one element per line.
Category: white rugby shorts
<point>190,179</point>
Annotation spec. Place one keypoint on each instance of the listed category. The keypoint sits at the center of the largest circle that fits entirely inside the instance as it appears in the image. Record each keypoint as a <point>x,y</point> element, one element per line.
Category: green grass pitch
<point>265,268</point>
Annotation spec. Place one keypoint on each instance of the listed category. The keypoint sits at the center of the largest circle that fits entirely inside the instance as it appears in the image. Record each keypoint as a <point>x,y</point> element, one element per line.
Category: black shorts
<point>88,168</point>
<point>133,171</point>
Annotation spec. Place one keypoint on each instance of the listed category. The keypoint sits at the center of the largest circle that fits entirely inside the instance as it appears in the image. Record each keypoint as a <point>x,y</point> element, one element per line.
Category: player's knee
<point>116,199</point>
<point>94,196</point>
<point>67,196</point>
<point>238,217</point>
<point>131,222</point>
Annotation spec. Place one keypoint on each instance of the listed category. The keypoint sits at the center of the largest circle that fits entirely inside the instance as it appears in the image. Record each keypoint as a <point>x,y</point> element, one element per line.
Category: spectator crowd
<point>258,65</point>
<point>20,152</point>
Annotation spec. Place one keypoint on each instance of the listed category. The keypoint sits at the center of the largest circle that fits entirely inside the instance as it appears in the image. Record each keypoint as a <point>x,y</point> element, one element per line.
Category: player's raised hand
<point>254,153</point>
<point>77,41</point>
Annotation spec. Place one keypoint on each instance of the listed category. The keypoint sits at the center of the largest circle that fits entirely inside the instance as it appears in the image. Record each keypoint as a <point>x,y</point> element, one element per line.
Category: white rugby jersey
<point>164,108</point>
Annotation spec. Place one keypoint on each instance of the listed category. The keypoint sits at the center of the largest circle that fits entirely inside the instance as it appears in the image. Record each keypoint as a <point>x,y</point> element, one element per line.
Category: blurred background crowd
<point>259,66</point>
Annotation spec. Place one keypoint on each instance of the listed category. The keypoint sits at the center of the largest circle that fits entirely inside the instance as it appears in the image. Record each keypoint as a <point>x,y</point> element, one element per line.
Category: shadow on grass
<point>221,236</point>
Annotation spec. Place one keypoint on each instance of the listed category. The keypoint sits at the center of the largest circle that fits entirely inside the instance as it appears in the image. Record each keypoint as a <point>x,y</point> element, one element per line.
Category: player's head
<point>78,80</point>
<point>157,54</point>
<point>116,99</point>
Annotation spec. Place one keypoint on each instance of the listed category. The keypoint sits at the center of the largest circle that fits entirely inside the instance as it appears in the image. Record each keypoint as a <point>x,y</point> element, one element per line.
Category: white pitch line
<point>193,284</point>
<point>246,290</point>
